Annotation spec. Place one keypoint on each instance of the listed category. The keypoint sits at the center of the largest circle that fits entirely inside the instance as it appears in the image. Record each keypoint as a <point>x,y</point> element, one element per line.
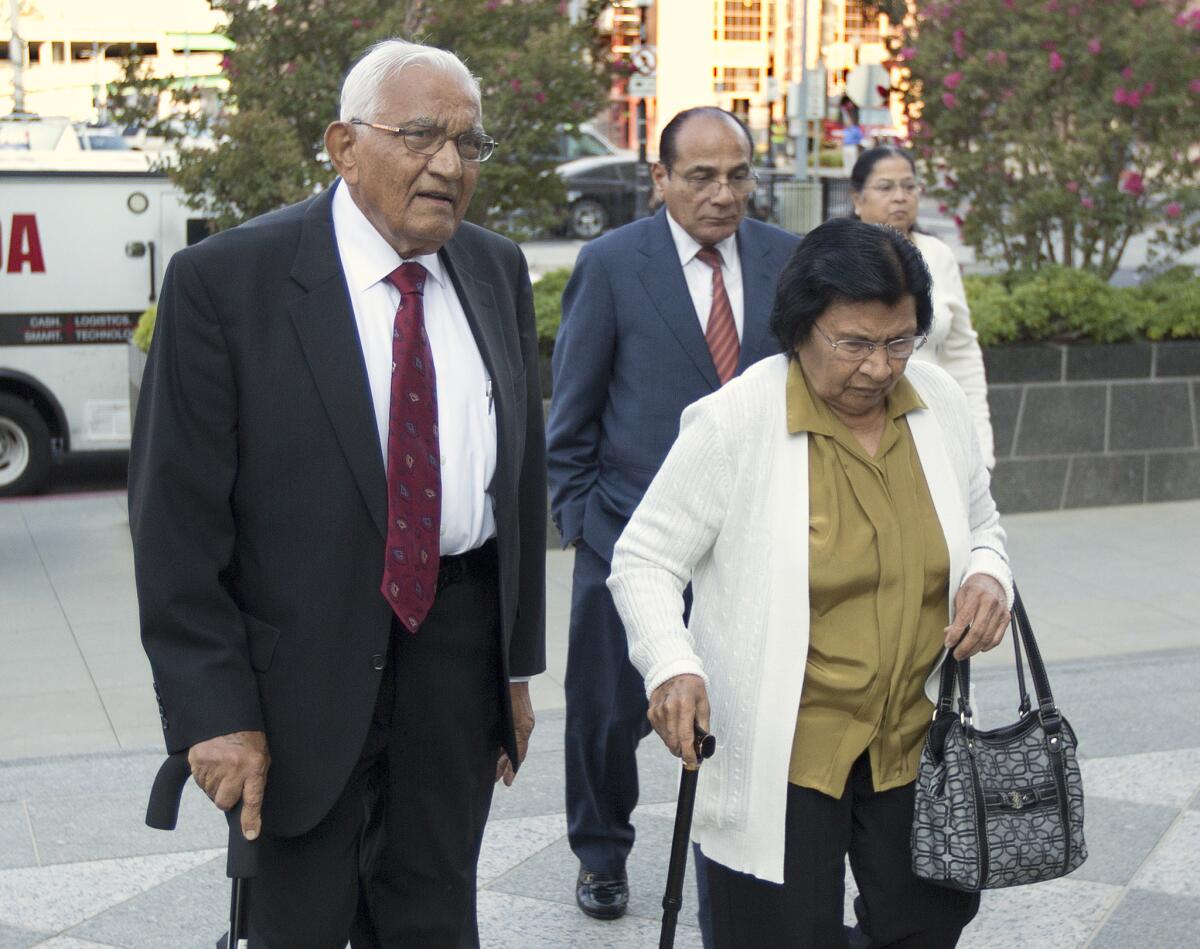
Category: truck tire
<point>24,447</point>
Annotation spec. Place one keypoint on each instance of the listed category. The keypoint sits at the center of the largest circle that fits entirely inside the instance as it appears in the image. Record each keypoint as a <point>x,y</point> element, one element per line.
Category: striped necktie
<point>721,333</point>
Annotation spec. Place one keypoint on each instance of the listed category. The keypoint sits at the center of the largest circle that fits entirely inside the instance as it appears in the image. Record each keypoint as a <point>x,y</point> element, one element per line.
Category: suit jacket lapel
<point>758,296</point>
<point>662,277</point>
<point>479,303</point>
<point>324,321</point>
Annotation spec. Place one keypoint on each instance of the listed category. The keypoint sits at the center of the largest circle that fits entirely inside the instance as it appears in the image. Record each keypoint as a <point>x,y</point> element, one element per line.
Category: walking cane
<point>241,863</point>
<point>706,744</point>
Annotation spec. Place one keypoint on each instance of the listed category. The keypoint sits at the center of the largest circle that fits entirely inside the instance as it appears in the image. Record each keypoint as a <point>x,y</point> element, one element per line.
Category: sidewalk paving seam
<point>1128,885</point>
<point>37,854</point>
<point>70,626</point>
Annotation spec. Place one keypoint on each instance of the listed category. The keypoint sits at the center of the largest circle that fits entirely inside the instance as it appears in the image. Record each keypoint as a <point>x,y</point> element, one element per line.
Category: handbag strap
<point>1022,636</point>
<point>952,670</point>
<point>1022,690</point>
<point>1041,682</point>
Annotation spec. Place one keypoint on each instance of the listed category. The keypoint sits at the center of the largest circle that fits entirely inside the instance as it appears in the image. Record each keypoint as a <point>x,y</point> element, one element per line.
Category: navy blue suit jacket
<point>629,358</point>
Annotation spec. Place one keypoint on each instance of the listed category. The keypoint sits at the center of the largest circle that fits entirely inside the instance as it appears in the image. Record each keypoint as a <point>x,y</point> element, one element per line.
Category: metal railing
<point>799,206</point>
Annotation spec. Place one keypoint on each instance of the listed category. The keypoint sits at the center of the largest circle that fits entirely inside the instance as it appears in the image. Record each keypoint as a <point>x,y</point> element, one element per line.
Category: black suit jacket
<point>257,495</point>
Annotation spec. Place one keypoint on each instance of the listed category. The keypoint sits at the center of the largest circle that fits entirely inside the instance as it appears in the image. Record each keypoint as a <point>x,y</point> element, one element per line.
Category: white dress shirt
<point>466,414</point>
<point>699,275</point>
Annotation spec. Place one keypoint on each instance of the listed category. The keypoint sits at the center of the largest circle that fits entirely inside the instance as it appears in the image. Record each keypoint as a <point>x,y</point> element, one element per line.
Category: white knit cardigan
<point>953,343</point>
<point>728,511</point>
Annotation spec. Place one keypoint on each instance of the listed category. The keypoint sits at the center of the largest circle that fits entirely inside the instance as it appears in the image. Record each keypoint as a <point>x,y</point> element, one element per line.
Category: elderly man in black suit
<point>337,500</point>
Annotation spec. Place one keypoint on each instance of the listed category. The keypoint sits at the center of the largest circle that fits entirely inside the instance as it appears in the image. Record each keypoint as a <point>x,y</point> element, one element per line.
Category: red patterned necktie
<point>414,472</point>
<point>721,332</point>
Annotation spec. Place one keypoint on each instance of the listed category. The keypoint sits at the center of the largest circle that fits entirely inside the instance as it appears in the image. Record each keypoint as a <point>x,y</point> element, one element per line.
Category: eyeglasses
<point>887,187</point>
<point>859,350</point>
<point>708,186</point>
<point>428,140</point>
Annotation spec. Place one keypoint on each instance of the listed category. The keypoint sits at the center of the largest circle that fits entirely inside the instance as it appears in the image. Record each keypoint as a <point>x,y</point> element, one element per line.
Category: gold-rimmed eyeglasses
<point>858,350</point>
<point>707,185</point>
<point>472,145</point>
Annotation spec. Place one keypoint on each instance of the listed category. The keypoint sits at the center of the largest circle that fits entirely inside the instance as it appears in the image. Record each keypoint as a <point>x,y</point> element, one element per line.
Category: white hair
<point>384,61</point>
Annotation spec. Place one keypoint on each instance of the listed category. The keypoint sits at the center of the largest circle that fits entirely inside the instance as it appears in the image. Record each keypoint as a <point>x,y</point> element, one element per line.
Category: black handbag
<point>1001,807</point>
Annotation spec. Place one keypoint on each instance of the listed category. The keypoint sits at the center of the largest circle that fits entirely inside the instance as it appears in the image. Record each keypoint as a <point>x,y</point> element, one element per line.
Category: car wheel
<point>24,447</point>
<point>588,219</point>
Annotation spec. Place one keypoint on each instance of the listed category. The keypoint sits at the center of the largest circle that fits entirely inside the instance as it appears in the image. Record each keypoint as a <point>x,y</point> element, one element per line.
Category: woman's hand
<point>980,616</point>
<point>676,708</point>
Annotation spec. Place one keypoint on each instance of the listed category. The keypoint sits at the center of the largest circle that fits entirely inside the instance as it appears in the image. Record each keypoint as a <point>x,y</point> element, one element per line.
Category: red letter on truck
<point>24,245</point>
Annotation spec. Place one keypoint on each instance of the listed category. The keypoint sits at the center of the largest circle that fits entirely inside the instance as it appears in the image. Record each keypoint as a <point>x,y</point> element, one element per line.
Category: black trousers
<point>606,718</point>
<point>895,908</point>
<point>393,863</point>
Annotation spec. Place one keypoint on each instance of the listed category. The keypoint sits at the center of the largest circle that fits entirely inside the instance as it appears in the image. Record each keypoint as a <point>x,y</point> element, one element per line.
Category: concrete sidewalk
<point>1113,594</point>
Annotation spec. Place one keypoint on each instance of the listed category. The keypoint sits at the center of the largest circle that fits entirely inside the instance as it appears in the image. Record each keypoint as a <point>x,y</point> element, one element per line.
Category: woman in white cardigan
<point>885,190</point>
<point>832,513</point>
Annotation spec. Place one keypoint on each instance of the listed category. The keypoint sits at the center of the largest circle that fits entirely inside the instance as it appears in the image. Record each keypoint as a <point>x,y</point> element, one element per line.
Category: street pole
<point>16,57</point>
<point>642,171</point>
<point>802,132</point>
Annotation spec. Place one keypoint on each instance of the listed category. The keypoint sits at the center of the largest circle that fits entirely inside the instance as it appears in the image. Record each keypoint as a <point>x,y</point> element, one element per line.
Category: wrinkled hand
<point>233,768</point>
<point>522,710</point>
<point>981,611</point>
<point>676,708</point>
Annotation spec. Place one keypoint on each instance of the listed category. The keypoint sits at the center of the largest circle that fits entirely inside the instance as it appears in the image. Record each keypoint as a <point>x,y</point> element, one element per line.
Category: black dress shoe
<point>602,897</point>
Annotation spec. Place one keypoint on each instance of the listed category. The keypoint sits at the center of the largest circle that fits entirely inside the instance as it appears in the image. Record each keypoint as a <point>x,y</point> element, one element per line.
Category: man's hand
<point>233,768</point>
<point>981,612</point>
<point>522,711</point>
<point>676,708</point>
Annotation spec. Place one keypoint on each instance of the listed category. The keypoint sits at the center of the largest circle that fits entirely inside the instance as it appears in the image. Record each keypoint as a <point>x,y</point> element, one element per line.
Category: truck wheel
<point>24,447</point>
<point>588,219</point>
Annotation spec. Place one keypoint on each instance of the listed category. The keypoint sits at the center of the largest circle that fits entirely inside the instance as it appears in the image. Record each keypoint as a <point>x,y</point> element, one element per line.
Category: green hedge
<point>1053,304</point>
<point>1063,305</point>
<point>145,328</point>
<point>547,301</point>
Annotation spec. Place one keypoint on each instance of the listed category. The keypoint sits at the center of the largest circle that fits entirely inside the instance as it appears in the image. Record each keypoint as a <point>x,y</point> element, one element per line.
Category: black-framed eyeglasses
<point>472,145</point>
<point>707,185</point>
<point>858,350</point>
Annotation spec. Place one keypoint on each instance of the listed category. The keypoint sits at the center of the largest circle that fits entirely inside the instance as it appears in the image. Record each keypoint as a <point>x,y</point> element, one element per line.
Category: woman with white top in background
<point>886,190</point>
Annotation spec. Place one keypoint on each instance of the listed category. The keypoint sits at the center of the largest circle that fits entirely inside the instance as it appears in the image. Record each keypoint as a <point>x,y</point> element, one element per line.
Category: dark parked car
<point>601,193</point>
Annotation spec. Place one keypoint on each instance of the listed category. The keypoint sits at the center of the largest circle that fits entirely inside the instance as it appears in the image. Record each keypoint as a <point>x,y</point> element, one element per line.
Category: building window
<point>125,50</point>
<point>736,78</point>
<point>860,25</point>
<point>58,52</point>
<point>743,20</point>
<point>35,53</point>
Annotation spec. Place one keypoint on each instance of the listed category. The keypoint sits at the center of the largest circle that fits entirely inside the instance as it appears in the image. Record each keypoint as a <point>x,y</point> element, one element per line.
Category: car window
<point>590,145</point>
<point>576,143</point>
<point>107,143</point>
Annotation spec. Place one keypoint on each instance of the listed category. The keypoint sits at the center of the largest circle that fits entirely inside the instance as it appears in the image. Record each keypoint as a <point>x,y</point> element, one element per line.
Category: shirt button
<point>377,662</point>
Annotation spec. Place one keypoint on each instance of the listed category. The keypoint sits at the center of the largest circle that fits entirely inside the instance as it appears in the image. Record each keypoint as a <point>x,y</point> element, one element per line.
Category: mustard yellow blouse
<point>878,597</point>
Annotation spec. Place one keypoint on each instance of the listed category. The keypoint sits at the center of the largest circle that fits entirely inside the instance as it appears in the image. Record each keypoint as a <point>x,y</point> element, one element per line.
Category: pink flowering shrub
<point>1058,129</point>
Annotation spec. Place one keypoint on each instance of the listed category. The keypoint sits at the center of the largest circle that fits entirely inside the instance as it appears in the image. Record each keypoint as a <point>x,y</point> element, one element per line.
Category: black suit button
<point>377,662</point>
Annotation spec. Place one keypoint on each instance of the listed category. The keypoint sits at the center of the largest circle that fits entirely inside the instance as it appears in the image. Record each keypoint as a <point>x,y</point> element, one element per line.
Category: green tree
<point>1059,129</point>
<point>536,68</point>
<point>134,98</point>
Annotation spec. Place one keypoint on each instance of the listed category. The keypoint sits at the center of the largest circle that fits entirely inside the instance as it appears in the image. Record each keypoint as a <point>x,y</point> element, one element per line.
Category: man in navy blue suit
<point>656,315</point>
